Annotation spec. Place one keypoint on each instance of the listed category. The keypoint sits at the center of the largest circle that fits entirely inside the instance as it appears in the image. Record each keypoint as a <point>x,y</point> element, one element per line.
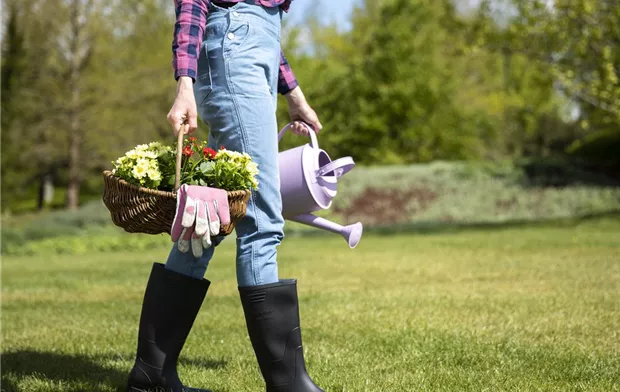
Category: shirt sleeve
<point>191,18</point>
<point>286,78</point>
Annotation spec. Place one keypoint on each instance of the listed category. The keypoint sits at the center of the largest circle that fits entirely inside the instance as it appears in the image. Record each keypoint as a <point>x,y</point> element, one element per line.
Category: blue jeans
<point>236,94</point>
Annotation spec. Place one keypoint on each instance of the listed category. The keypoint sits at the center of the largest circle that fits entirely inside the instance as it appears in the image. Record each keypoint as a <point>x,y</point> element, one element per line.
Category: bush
<point>88,242</point>
<point>33,227</point>
<point>462,192</point>
<point>437,193</point>
<point>601,146</point>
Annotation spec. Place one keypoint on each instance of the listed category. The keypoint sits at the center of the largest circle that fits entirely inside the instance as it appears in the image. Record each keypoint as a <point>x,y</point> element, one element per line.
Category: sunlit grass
<point>533,308</point>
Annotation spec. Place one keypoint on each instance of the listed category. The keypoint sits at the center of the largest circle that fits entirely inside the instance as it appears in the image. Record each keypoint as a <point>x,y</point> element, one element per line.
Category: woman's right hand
<point>184,108</point>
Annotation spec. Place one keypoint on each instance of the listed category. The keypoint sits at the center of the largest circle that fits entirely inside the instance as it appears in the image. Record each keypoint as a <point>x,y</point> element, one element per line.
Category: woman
<point>229,69</point>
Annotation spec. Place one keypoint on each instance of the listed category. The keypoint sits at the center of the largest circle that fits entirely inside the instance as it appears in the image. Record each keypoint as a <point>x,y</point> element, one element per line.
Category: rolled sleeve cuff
<point>286,86</point>
<point>185,72</point>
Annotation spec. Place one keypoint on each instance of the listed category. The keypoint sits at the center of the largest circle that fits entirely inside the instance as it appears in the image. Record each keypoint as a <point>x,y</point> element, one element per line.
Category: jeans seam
<point>244,143</point>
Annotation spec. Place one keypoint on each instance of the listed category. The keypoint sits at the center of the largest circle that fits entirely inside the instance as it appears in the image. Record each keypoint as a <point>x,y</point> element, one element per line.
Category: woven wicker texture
<point>142,210</point>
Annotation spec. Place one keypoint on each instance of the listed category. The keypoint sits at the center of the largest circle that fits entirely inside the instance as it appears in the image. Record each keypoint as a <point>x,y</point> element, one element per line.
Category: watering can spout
<point>351,233</point>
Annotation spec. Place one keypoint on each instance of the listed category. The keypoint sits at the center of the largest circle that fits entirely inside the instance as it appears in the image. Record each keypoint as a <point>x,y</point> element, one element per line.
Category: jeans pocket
<point>204,82</point>
<point>235,37</point>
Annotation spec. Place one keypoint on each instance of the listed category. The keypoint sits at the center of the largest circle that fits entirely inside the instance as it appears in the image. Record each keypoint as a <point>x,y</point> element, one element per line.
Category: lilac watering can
<point>309,182</point>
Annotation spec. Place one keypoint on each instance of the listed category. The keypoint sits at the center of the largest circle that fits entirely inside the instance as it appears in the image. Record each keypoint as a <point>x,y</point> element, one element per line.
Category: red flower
<point>222,148</point>
<point>209,153</point>
<point>187,151</point>
<point>193,139</point>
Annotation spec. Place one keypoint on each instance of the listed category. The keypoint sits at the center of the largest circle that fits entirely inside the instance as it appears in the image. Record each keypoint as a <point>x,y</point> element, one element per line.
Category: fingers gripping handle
<point>313,141</point>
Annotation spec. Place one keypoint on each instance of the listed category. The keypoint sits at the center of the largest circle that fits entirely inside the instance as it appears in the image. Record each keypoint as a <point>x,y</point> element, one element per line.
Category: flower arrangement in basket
<point>140,191</point>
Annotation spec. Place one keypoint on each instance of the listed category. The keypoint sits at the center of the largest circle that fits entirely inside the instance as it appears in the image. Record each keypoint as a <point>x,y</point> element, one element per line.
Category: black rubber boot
<point>171,303</point>
<point>272,316</point>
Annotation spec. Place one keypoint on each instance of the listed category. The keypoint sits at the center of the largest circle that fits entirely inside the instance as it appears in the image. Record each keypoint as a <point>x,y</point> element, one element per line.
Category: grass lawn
<point>533,308</point>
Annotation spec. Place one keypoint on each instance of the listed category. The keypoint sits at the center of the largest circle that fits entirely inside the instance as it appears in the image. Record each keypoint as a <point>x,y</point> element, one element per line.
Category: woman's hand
<point>300,111</point>
<point>184,108</point>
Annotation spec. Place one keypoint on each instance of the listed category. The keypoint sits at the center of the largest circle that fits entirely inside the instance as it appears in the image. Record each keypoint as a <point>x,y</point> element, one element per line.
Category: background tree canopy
<point>411,81</point>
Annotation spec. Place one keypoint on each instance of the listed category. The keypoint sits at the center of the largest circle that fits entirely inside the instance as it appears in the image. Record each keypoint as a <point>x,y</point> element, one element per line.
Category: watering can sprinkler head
<point>351,233</point>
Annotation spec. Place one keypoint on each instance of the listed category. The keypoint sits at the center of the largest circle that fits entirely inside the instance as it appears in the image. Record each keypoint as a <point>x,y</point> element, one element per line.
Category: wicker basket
<point>141,210</point>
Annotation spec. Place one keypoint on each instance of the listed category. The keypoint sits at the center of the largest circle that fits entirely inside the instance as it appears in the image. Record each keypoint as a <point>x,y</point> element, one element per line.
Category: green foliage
<point>436,194</point>
<point>104,83</point>
<point>465,193</point>
<point>20,230</point>
<point>574,43</point>
<point>416,81</point>
<point>601,147</point>
<point>412,81</point>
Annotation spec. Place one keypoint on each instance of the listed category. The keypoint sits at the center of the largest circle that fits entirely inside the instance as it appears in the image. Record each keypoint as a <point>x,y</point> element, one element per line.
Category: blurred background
<point>457,111</point>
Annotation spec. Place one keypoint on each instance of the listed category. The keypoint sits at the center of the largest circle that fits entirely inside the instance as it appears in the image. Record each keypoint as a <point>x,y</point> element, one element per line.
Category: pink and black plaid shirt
<point>188,30</point>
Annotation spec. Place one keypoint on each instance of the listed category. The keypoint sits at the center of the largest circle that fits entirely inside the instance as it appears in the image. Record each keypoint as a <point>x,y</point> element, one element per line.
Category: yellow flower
<point>138,172</point>
<point>143,162</point>
<point>252,168</point>
<point>154,174</point>
<point>150,154</point>
<point>141,168</point>
<point>132,154</point>
<point>229,155</point>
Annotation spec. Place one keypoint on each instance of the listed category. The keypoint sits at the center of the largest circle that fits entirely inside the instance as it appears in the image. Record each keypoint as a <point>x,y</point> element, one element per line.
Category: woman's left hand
<point>300,111</point>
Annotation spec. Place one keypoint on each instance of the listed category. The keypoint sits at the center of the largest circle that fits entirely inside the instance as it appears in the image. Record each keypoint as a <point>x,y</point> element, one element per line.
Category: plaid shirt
<point>188,30</point>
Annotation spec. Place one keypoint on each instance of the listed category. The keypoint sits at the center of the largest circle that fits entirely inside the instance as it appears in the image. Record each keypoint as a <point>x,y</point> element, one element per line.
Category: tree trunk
<point>73,186</point>
<point>75,133</point>
<point>46,191</point>
<point>75,145</point>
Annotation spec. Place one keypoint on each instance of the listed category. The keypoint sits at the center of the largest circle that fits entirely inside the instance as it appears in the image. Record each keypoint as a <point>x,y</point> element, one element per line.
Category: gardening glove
<point>200,212</point>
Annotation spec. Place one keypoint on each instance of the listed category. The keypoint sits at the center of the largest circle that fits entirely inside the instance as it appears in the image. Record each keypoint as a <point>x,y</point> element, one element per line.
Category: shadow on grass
<point>87,371</point>
<point>55,367</point>
<point>435,227</point>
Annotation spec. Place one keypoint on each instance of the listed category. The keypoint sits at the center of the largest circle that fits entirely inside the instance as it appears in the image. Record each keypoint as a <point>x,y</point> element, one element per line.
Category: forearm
<point>295,96</point>
<point>184,83</point>
<point>191,18</point>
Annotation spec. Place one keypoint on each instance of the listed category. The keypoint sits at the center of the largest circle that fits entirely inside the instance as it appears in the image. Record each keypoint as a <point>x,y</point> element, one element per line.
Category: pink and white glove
<point>200,212</point>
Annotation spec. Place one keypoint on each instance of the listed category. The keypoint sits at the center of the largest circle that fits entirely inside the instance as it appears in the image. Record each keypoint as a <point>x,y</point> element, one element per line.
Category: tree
<point>577,41</point>
<point>85,80</point>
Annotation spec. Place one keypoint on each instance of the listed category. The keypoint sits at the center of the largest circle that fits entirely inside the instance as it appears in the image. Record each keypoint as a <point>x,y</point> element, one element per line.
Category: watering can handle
<point>339,167</point>
<point>313,142</point>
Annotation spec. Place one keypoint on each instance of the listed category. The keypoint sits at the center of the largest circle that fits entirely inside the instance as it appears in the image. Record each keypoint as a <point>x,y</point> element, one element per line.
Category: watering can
<point>309,182</point>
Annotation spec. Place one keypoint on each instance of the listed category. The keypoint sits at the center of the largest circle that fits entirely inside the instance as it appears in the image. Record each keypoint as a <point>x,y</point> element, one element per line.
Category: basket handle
<point>177,177</point>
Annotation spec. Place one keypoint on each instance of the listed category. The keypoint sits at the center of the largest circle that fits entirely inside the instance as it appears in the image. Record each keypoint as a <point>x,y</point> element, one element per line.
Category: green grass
<point>531,308</point>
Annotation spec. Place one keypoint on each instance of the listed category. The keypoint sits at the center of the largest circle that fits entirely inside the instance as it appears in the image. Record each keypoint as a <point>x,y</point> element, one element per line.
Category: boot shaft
<point>272,318</point>
<point>169,309</point>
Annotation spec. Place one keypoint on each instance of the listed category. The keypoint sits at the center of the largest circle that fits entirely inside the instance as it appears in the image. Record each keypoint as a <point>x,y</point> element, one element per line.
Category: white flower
<point>132,154</point>
<point>141,168</point>
<point>231,155</point>
<point>252,168</point>
<point>154,174</point>
<point>150,154</point>
<point>138,172</point>
<point>144,163</point>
